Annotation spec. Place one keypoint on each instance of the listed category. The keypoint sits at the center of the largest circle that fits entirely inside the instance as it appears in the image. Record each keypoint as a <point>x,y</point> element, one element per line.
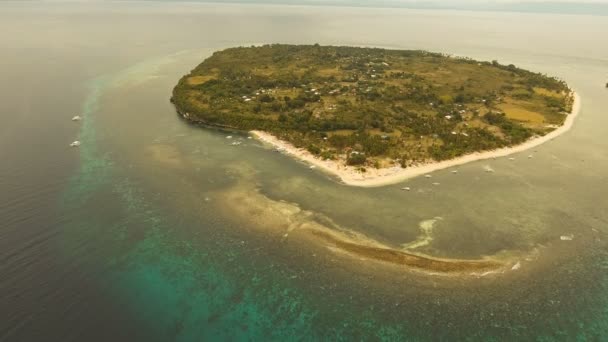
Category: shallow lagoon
<point>155,229</point>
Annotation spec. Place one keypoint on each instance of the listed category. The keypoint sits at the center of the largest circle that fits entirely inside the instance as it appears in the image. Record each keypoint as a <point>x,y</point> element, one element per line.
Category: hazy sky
<point>380,2</point>
<point>589,7</point>
<point>593,7</point>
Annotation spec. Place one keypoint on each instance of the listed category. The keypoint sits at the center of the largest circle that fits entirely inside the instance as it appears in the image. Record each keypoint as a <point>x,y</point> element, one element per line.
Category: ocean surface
<point>156,230</point>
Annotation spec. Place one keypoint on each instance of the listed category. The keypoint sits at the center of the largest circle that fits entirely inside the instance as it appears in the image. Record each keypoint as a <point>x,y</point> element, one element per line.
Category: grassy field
<point>372,106</point>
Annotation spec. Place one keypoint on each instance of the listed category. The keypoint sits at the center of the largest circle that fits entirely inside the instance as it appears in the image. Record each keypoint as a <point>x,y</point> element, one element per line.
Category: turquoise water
<point>157,230</point>
<point>184,281</point>
<point>180,289</point>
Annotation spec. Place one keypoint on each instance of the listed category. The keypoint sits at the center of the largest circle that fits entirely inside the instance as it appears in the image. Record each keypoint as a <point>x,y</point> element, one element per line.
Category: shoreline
<point>386,176</point>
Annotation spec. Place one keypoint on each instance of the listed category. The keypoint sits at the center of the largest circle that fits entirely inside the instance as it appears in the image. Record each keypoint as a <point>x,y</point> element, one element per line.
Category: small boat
<point>236,143</point>
<point>530,156</point>
<point>511,158</point>
<point>76,118</point>
<point>487,168</point>
<point>312,167</point>
<point>75,144</point>
<point>454,171</point>
<point>567,237</point>
<point>229,137</point>
<point>407,188</point>
<point>428,176</point>
<point>435,183</point>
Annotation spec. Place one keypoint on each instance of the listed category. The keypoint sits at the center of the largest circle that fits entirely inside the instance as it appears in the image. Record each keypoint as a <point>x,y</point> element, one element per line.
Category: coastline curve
<point>387,176</point>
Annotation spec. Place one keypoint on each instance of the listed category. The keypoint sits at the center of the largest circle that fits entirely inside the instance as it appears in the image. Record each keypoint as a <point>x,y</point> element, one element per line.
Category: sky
<point>587,7</point>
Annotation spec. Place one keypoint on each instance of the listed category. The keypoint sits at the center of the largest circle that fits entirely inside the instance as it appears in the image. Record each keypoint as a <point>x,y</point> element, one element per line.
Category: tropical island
<point>370,113</point>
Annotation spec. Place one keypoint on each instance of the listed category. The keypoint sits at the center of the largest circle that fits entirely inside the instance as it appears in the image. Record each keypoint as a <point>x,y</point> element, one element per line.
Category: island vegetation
<point>372,107</point>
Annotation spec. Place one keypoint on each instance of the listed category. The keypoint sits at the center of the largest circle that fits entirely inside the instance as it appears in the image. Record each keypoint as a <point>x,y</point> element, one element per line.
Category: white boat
<point>407,188</point>
<point>76,118</point>
<point>454,171</point>
<point>75,144</point>
<point>428,176</point>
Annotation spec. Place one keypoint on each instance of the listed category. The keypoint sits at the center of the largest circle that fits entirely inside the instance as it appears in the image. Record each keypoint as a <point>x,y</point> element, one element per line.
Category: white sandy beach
<point>385,176</point>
